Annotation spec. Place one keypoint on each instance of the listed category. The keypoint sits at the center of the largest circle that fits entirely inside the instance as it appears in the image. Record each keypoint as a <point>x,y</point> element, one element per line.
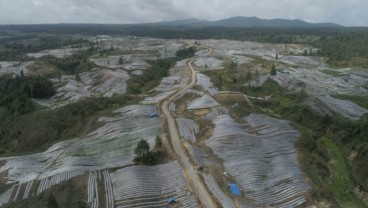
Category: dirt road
<point>198,186</point>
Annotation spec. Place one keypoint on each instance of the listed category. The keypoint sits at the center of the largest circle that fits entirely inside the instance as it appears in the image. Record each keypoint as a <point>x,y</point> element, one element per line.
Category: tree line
<point>16,93</point>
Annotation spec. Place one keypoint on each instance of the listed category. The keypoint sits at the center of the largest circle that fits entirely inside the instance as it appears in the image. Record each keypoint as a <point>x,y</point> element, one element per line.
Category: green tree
<point>158,142</point>
<point>273,70</point>
<point>77,77</point>
<point>185,53</point>
<point>233,65</point>
<point>121,60</point>
<point>52,203</point>
<point>257,76</point>
<point>142,149</point>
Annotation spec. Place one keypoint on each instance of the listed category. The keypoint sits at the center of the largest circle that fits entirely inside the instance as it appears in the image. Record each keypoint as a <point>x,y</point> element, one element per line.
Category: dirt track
<point>200,189</point>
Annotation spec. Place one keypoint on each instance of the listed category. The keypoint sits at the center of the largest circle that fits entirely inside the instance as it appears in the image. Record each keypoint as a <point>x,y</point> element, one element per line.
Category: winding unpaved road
<point>202,193</point>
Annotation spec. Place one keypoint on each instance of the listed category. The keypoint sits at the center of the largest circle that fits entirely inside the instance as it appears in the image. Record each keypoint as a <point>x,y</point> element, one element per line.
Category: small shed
<point>171,200</point>
<point>235,190</point>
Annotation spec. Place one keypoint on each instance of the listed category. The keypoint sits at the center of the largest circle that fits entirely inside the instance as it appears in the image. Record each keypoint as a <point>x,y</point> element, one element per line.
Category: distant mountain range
<point>244,22</point>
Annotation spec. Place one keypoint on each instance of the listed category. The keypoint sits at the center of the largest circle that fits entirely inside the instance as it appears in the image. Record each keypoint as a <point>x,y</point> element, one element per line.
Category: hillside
<point>129,121</point>
<point>248,22</point>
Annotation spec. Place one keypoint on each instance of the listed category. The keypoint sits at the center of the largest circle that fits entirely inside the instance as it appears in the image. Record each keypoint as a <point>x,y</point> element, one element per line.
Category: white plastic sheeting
<point>212,185</point>
<point>216,112</point>
<point>109,146</point>
<point>188,128</point>
<point>264,163</point>
<point>205,101</point>
<point>318,83</point>
<point>150,186</point>
<point>198,156</point>
<point>327,105</point>
<point>205,82</point>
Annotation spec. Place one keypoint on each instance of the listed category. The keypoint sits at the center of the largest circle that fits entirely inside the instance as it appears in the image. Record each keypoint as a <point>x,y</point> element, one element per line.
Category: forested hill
<point>248,22</point>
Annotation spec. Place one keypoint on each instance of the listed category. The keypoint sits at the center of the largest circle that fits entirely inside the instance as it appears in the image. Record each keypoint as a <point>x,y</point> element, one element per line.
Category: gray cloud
<point>345,12</point>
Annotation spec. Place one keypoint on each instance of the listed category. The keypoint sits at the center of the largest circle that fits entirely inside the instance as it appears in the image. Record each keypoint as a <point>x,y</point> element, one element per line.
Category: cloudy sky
<point>344,12</point>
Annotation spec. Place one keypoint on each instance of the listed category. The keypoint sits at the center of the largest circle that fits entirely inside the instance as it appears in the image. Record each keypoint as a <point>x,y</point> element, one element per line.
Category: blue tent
<point>170,200</point>
<point>235,190</point>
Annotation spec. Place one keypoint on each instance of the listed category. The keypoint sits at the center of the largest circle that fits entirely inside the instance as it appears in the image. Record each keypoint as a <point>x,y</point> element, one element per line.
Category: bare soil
<point>229,98</point>
<point>181,104</point>
<point>39,68</point>
<point>3,180</point>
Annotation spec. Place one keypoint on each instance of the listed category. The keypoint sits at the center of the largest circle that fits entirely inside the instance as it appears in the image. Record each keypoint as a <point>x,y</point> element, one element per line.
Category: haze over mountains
<point>242,21</point>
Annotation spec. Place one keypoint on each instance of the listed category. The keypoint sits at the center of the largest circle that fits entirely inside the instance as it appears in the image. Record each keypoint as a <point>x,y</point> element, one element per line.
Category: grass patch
<point>349,62</point>
<point>331,72</point>
<point>230,78</point>
<point>360,100</point>
<point>269,87</point>
<point>233,78</point>
<point>339,182</point>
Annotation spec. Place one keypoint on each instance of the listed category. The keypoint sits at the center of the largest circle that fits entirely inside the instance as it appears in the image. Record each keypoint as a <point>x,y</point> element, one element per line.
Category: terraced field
<point>150,186</point>
<point>224,200</point>
<point>205,101</point>
<point>262,159</point>
<point>25,190</point>
<point>198,156</point>
<point>170,83</point>
<point>226,48</point>
<point>98,83</point>
<point>318,83</point>
<point>14,68</point>
<point>109,146</point>
<point>208,63</point>
<point>205,82</point>
<point>58,53</point>
<point>326,105</point>
<point>187,128</point>
<point>256,152</point>
<point>215,112</point>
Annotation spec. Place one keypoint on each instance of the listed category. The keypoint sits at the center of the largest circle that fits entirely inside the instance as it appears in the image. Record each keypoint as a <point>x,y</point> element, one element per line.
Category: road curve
<point>202,193</point>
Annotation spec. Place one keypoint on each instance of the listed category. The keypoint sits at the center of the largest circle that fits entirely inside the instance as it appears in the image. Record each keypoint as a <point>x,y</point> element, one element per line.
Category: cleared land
<point>254,150</point>
<point>263,163</point>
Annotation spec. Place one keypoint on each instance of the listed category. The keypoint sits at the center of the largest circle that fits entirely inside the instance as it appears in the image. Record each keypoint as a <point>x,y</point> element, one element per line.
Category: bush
<point>52,203</point>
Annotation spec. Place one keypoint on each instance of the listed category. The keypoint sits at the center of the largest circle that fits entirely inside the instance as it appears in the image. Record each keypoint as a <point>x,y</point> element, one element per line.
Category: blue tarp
<point>234,189</point>
<point>170,200</point>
